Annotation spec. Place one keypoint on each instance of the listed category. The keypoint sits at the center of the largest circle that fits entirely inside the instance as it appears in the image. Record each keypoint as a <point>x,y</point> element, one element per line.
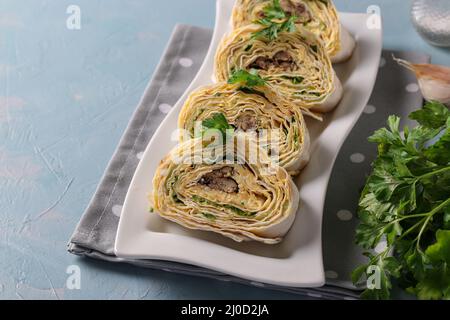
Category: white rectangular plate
<point>297,260</point>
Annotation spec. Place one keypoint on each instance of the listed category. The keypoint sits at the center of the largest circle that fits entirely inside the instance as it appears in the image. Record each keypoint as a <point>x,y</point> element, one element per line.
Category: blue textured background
<point>65,99</point>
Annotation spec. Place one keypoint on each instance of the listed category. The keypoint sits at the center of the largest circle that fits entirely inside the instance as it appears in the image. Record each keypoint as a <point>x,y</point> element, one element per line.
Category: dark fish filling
<point>246,122</point>
<point>296,9</point>
<point>281,59</point>
<point>220,179</point>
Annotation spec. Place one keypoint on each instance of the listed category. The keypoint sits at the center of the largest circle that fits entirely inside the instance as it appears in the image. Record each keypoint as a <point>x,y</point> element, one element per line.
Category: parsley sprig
<point>275,20</point>
<point>246,78</point>
<point>406,201</point>
<point>274,11</point>
<point>217,122</point>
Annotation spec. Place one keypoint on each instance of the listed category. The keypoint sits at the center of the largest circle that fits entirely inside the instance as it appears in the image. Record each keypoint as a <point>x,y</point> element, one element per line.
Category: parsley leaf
<point>217,122</point>
<point>275,21</point>
<point>440,151</point>
<point>440,251</point>
<point>246,79</point>
<point>435,285</point>
<point>274,11</point>
<point>435,281</point>
<point>272,29</point>
<point>433,115</point>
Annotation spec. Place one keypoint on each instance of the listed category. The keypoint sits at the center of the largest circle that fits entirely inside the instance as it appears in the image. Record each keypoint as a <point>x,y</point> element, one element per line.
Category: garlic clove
<point>434,80</point>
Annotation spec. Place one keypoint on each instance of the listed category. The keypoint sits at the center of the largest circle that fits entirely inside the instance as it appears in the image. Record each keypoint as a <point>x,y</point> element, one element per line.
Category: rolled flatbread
<point>277,125</point>
<point>318,16</point>
<point>295,64</point>
<point>248,199</point>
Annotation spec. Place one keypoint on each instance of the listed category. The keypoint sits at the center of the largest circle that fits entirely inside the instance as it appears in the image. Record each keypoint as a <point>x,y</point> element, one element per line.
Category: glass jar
<point>431,18</point>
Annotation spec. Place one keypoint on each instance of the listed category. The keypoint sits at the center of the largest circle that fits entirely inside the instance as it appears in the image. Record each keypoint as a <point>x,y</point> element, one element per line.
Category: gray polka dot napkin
<point>396,92</point>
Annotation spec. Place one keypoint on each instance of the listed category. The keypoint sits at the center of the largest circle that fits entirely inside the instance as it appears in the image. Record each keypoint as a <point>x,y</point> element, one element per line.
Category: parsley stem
<point>403,218</point>
<point>382,254</point>
<point>440,207</point>
<point>412,228</point>
<point>429,174</point>
<point>421,232</point>
<point>427,216</point>
<point>417,215</point>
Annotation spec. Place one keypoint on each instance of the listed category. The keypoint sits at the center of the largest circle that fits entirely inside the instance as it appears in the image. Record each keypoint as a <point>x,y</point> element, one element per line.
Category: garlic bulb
<point>434,80</point>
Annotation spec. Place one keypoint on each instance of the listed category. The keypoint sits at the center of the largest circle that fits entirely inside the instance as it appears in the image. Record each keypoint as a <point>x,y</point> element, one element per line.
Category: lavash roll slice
<point>295,64</point>
<point>276,125</point>
<point>249,199</point>
<point>318,16</point>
